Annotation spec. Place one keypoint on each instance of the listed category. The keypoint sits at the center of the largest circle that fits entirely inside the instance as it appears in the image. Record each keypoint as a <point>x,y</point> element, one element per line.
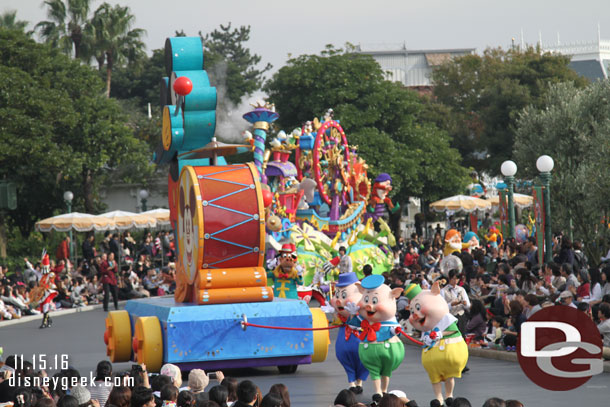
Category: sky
<point>288,27</point>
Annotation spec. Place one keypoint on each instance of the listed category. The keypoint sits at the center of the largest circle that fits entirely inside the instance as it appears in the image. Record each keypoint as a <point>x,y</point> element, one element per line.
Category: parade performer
<point>286,276</point>
<point>494,237</point>
<point>346,346</point>
<point>445,353</point>
<point>471,242</point>
<point>380,350</point>
<point>453,242</point>
<point>379,197</point>
<point>46,291</point>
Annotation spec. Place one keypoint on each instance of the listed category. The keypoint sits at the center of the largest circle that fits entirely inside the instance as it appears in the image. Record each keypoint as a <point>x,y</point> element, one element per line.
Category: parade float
<point>231,222</point>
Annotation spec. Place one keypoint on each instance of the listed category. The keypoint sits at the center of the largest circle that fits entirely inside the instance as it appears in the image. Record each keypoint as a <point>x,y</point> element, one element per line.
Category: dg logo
<point>560,348</point>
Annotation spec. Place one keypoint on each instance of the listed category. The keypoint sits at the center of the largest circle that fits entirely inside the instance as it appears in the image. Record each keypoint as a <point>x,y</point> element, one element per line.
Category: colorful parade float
<point>306,194</point>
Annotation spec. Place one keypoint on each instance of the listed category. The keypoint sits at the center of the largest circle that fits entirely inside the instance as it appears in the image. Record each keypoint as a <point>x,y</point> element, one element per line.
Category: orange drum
<point>227,278</point>
<point>221,220</point>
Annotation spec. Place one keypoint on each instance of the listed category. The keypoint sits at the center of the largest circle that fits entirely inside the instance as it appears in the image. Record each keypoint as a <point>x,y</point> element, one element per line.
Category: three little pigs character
<point>445,353</point>
<point>346,346</point>
<point>380,351</point>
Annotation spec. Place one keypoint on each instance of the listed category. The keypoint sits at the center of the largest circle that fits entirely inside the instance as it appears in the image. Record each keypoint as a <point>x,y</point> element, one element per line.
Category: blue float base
<point>211,336</point>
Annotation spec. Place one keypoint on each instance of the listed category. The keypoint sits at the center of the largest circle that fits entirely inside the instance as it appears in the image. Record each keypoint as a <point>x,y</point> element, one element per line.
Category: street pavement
<point>80,335</point>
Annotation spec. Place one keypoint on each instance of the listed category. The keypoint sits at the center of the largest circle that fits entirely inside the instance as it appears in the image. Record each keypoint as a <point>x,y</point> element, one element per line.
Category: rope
<point>409,337</point>
<point>288,328</point>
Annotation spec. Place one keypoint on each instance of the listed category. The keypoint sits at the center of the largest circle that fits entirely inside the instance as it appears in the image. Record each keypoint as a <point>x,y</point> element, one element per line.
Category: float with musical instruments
<point>218,212</point>
<point>231,219</point>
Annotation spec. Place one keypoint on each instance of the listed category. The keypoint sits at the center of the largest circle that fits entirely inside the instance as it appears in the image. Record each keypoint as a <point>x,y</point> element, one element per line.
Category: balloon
<point>449,263</point>
<point>183,86</point>
<point>267,197</point>
<point>521,233</point>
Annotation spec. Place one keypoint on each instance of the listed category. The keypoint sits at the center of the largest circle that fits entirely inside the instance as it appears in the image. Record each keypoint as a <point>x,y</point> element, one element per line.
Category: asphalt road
<point>80,335</point>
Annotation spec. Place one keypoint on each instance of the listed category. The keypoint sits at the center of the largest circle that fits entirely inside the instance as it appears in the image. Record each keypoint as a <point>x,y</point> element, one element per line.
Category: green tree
<point>58,131</point>
<point>113,40</point>
<point>8,20</point>
<point>485,94</point>
<point>573,127</point>
<point>64,29</point>
<point>386,121</point>
<point>230,63</point>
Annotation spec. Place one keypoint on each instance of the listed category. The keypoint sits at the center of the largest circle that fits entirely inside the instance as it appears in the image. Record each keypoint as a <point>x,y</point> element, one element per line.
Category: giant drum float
<point>221,235</point>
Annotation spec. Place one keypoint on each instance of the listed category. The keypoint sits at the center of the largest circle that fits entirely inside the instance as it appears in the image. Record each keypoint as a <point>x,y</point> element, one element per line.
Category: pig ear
<point>436,288</point>
<point>359,287</point>
<point>397,292</point>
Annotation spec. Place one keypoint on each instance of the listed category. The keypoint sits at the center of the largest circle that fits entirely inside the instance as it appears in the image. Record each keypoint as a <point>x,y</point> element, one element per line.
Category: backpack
<point>580,261</point>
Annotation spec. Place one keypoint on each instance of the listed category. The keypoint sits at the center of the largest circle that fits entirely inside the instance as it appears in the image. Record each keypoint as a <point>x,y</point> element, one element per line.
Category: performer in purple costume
<point>379,198</point>
<point>346,346</point>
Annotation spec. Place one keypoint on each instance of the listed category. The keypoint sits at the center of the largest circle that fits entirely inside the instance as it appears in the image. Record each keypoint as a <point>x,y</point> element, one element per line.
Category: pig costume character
<point>445,353</point>
<point>380,350</point>
<point>346,346</point>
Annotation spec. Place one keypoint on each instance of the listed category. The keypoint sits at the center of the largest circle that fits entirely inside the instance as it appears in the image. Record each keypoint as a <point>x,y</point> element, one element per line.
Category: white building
<point>589,59</point>
<point>413,68</point>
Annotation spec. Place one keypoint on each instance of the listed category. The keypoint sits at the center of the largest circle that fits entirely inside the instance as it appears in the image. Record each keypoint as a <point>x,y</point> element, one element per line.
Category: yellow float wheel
<point>148,343</point>
<point>117,336</point>
<point>321,339</point>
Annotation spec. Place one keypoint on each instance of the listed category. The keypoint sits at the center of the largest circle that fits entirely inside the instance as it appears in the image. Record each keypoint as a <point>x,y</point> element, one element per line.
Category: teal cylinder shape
<point>199,127</point>
<point>202,97</point>
<point>183,54</point>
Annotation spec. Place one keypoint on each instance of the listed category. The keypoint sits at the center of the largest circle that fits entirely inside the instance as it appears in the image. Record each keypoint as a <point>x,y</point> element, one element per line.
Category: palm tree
<point>8,19</point>
<point>67,19</point>
<point>112,39</point>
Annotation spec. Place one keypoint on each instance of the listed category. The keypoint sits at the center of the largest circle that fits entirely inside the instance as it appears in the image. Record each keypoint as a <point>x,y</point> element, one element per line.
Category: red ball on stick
<point>183,86</point>
<point>267,197</point>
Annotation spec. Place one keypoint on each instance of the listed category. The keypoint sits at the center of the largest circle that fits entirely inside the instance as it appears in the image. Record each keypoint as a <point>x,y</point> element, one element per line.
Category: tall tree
<point>64,29</point>
<point>8,20</point>
<point>58,131</point>
<point>113,40</point>
<point>386,121</point>
<point>230,63</point>
<point>485,94</point>
<point>573,127</point>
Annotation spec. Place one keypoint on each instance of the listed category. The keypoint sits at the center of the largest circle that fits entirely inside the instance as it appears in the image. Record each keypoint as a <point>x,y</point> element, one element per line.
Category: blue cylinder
<point>183,54</point>
<point>202,97</point>
<point>199,127</point>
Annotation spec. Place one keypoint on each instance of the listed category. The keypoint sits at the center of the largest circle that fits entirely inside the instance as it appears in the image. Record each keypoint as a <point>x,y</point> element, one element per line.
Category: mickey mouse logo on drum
<point>188,223</point>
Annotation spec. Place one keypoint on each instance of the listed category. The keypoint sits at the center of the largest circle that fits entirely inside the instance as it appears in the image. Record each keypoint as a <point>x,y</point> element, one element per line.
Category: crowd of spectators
<point>496,289</point>
<point>138,388</point>
<point>116,266</point>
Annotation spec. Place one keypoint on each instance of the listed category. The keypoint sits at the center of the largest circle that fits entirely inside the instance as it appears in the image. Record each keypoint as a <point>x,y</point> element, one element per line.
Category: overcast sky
<point>280,28</point>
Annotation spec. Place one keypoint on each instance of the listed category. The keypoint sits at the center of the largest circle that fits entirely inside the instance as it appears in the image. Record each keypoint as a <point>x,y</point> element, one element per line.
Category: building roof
<point>588,59</point>
<point>413,68</point>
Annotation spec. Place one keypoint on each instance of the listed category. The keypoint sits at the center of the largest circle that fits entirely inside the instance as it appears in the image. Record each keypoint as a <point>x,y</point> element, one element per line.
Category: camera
<point>212,376</point>
<point>136,368</point>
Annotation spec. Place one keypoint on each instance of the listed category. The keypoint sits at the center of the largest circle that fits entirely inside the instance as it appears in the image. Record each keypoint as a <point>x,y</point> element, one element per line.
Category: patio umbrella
<point>520,200</point>
<point>123,220</point>
<point>462,203</point>
<point>161,215</point>
<point>81,222</point>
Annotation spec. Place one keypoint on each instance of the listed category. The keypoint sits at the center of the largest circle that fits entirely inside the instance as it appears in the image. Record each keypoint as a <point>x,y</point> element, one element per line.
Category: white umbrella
<point>520,200</point>
<point>463,203</point>
<point>161,215</point>
<point>81,222</point>
<point>123,220</point>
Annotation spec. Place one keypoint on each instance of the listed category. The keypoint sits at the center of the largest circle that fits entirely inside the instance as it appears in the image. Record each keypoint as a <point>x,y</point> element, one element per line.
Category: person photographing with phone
<point>199,380</point>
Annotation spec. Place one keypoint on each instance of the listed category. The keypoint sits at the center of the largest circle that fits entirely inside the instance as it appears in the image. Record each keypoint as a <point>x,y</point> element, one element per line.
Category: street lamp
<point>545,165</point>
<point>143,198</point>
<point>509,169</point>
<point>68,197</point>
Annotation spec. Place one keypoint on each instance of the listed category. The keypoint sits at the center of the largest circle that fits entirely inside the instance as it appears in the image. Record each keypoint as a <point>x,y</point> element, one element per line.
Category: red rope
<point>409,337</point>
<point>288,328</point>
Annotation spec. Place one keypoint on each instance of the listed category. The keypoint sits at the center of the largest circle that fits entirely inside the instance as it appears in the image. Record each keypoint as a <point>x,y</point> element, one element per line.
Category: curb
<point>53,314</point>
<point>496,354</point>
<point>62,312</point>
